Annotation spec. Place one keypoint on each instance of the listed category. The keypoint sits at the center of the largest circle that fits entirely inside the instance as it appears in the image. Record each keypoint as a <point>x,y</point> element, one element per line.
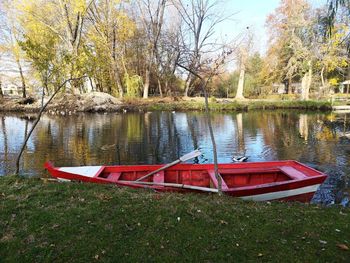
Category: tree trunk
<point>116,71</point>
<point>119,84</point>
<point>303,86</point>
<point>306,83</point>
<point>160,88</point>
<point>239,94</point>
<point>1,93</point>
<point>73,32</point>
<point>323,86</point>
<point>167,89</point>
<point>309,81</point>
<point>146,85</point>
<point>92,84</point>
<point>187,85</point>
<point>73,86</point>
<point>289,86</point>
<point>155,28</point>
<point>24,92</point>
<point>322,78</point>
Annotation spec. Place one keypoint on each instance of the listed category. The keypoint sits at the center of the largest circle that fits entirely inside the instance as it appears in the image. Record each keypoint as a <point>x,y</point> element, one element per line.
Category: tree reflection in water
<point>317,139</point>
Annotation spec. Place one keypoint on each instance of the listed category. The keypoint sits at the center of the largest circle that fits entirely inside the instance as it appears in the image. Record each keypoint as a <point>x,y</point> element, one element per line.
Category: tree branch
<point>38,119</point>
<point>207,111</point>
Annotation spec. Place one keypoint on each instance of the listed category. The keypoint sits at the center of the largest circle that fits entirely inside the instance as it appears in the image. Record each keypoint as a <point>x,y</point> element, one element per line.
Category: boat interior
<point>231,177</point>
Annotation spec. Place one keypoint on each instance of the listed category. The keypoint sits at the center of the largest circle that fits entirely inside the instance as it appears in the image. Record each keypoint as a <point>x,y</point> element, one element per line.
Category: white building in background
<point>11,90</point>
<point>344,87</point>
<point>10,84</point>
<point>10,79</point>
<point>281,88</point>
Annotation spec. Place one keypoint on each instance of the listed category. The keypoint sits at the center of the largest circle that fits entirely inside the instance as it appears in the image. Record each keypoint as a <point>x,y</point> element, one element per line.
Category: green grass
<point>241,105</point>
<point>71,222</point>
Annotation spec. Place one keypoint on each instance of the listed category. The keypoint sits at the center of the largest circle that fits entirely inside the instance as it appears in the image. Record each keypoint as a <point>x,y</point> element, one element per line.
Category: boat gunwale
<point>189,166</point>
<point>309,180</point>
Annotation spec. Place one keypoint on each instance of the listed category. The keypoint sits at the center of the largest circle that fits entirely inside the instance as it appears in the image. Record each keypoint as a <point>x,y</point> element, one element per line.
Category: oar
<point>185,186</point>
<point>184,158</point>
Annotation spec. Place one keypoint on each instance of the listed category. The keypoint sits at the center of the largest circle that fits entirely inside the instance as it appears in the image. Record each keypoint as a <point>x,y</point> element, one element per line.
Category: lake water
<point>320,140</point>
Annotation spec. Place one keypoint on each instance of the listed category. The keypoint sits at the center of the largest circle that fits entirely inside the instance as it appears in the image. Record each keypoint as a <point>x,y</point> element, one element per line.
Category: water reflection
<point>319,140</point>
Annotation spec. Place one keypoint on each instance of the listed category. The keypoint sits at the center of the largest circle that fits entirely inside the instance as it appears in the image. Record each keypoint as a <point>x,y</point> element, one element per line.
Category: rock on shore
<point>65,103</point>
<point>89,102</point>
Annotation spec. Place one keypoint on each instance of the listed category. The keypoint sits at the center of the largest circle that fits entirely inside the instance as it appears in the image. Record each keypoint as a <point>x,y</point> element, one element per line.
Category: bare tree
<point>169,52</point>
<point>200,17</point>
<point>205,74</point>
<point>152,16</point>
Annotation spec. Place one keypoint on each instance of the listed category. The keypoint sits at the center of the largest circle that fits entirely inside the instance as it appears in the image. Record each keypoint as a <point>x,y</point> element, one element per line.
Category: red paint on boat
<point>280,180</point>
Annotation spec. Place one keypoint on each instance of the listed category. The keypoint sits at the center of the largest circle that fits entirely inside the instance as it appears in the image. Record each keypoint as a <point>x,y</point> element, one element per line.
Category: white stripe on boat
<point>88,171</point>
<point>281,194</point>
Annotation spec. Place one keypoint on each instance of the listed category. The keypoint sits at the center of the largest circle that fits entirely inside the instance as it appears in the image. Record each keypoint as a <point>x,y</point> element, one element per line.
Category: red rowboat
<point>280,180</point>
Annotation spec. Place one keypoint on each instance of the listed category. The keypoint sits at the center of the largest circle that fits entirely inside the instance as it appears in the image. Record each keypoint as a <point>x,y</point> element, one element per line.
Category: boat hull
<point>264,181</point>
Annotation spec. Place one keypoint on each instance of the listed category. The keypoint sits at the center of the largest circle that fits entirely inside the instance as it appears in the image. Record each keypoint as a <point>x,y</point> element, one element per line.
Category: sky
<point>252,14</point>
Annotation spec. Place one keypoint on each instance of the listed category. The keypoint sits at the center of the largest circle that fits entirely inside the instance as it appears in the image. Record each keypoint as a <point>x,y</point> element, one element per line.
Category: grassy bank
<point>59,222</point>
<point>226,105</point>
<point>74,104</point>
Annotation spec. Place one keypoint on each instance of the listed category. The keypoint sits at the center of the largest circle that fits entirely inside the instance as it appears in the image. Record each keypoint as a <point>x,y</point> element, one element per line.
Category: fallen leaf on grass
<point>103,197</point>
<point>260,254</point>
<point>223,222</point>
<point>343,246</point>
<point>323,242</point>
<point>156,196</point>
<point>30,239</point>
<point>7,237</point>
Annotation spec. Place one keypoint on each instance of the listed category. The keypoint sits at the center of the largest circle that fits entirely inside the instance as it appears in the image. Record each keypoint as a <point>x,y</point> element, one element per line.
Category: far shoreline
<point>71,104</point>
